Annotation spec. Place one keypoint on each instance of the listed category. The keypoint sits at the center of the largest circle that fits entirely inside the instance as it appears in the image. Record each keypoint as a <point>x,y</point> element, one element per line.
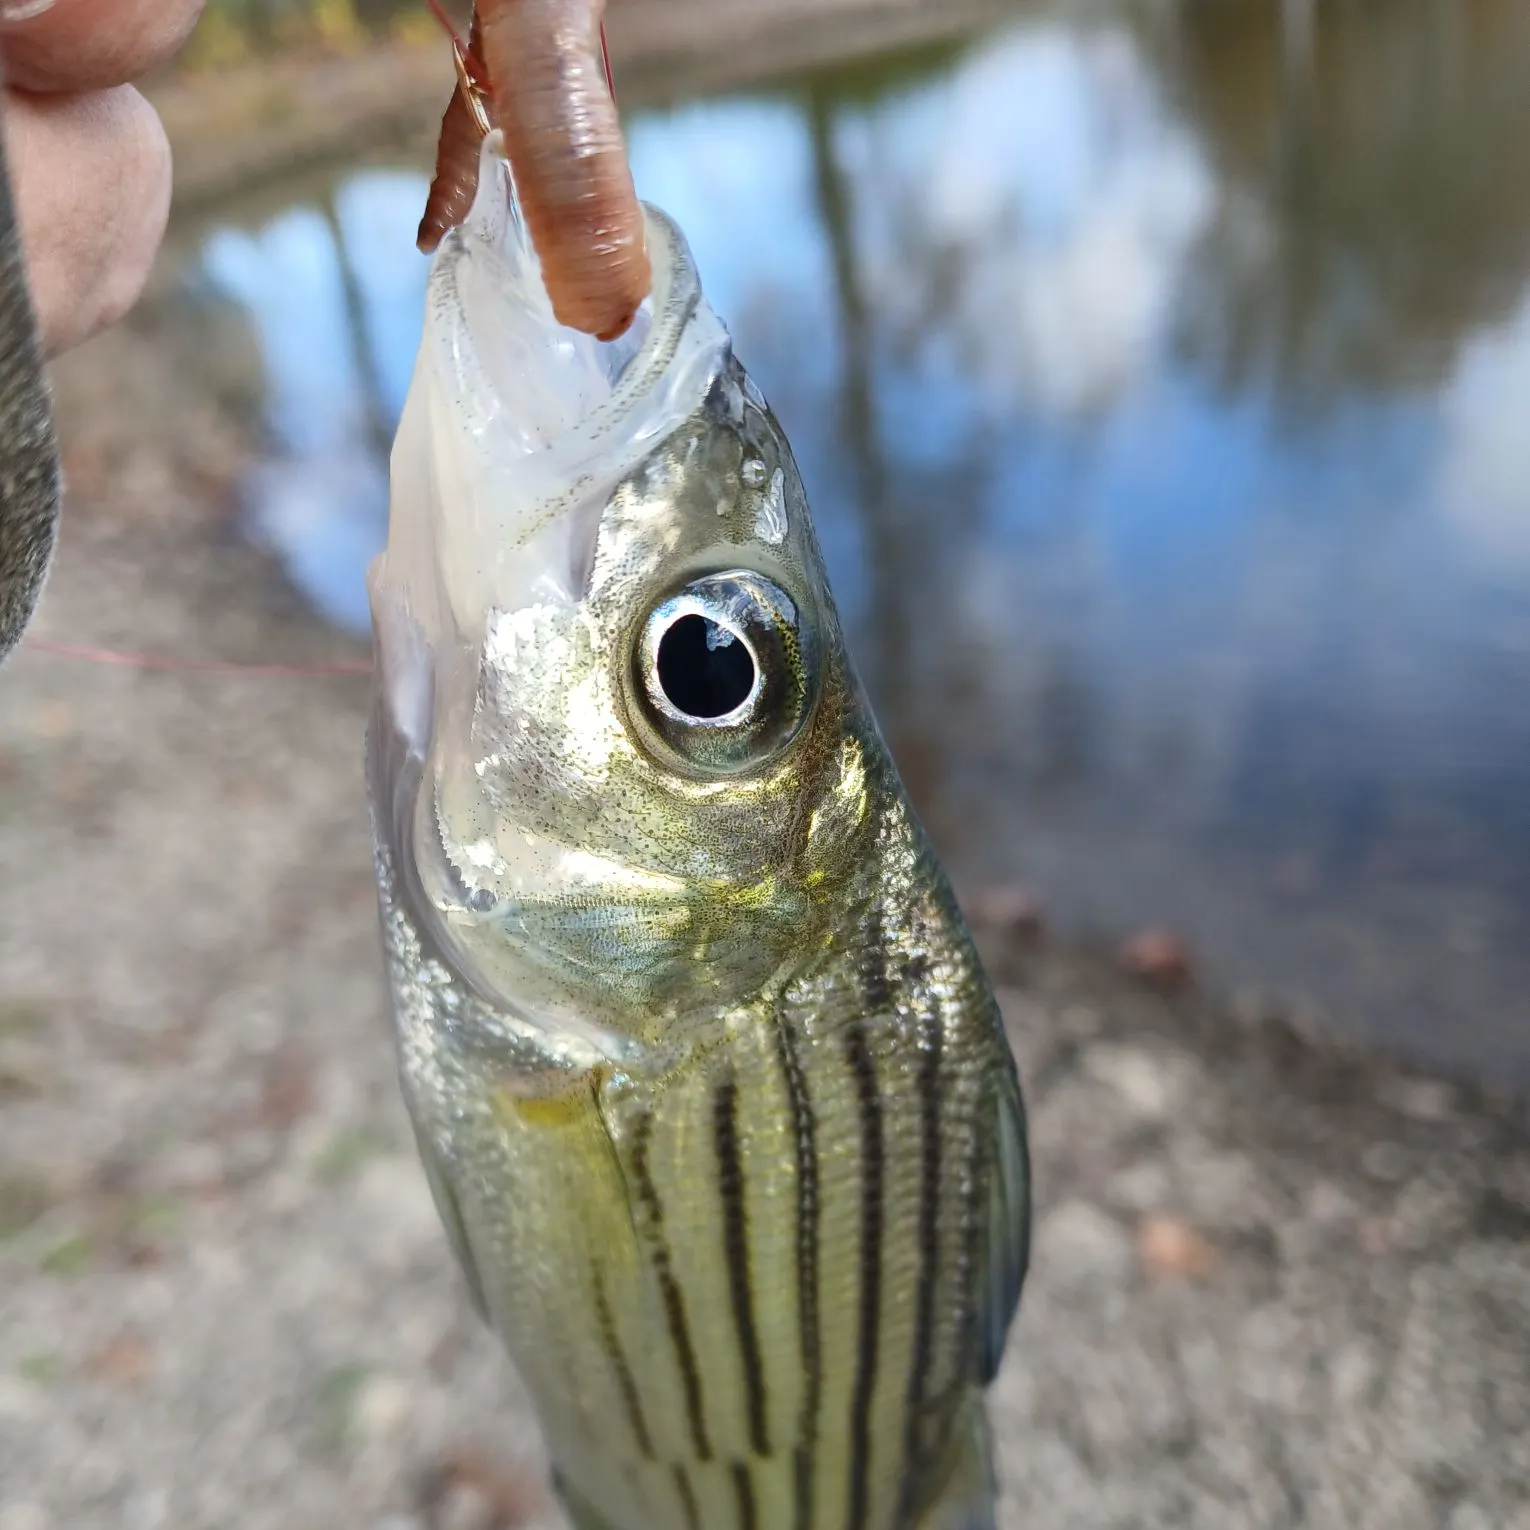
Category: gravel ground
<point>1276,1283</point>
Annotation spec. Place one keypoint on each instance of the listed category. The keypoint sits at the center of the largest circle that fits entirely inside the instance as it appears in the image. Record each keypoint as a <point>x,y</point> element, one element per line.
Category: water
<point>1162,391</point>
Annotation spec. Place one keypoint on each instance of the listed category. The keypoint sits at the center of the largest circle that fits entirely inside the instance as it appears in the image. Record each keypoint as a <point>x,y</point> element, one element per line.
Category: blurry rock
<point>1251,1008</point>
<point>464,1507</point>
<point>21,1402</point>
<point>54,720</point>
<point>87,472</point>
<point>1142,1085</point>
<point>1373,1236</point>
<point>1141,1187</point>
<point>249,1155</point>
<point>1028,1023</point>
<point>469,1491</point>
<point>1468,1516</point>
<point>1424,1214</point>
<point>194,1168</point>
<point>288,1093</point>
<point>1007,908</point>
<point>23,1516</point>
<point>1385,1161</point>
<point>1329,1206</point>
<point>383,1407</point>
<point>1353,1368</point>
<point>1223,1186</point>
<point>394,1189</point>
<point>1079,1022</point>
<point>1172,1250</point>
<point>1420,1099</point>
<point>1077,1240</point>
<point>123,1361</point>
<point>336,1397</point>
<point>24,1196</point>
<point>1159,957</point>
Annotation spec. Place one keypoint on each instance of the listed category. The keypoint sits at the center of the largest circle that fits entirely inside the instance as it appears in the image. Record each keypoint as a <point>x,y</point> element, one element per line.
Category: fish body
<point>29,463</point>
<point>710,1088</point>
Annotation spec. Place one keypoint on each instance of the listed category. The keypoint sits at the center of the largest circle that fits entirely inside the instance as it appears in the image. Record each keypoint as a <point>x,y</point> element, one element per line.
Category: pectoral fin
<point>451,1219</point>
<point>969,1499</point>
<point>580,1514</point>
<point>1009,1219</point>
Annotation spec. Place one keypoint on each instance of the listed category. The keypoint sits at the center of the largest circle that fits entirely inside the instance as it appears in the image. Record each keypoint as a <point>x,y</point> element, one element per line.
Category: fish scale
<point>708,1082</point>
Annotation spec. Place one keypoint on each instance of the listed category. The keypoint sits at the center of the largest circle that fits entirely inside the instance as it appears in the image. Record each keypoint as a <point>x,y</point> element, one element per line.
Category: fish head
<point>625,764</point>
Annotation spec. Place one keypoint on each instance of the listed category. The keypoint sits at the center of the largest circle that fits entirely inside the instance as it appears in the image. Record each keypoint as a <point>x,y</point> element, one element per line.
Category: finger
<point>90,44</point>
<point>91,176</point>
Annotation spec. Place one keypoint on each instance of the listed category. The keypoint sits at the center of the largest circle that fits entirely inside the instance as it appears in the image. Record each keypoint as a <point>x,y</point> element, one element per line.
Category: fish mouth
<point>514,433</point>
<point>528,425</point>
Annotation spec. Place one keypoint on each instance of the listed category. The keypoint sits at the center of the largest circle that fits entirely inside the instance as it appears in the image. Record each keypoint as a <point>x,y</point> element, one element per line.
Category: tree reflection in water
<point>1159,385</point>
<point>1373,212</point>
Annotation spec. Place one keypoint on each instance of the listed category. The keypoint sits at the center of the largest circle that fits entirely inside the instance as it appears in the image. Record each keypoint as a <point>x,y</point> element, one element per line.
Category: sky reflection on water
<point>1170,623</point>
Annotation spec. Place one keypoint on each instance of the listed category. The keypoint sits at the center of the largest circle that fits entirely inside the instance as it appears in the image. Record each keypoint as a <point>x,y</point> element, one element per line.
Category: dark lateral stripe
<point>804,1134</point>
<point>970,1289</point>
<point>802,1487</point>
<point>610,1342</point>
<point>730,1182</point>
<point>669,1288</point>
<point>858,1055</point>
<point>929,1080</point>
<point>874,980</point>
<point>743,1490</point>
<point>974,1237</point>
<point>969,1285</point>
<point>687,1497</point>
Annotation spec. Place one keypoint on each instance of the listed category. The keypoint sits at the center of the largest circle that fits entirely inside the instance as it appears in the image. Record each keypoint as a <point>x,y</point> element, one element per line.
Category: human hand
<point>89,162</point>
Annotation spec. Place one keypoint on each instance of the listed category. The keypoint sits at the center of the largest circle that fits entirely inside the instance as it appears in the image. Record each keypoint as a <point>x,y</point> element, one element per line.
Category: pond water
<point>1162,389</point>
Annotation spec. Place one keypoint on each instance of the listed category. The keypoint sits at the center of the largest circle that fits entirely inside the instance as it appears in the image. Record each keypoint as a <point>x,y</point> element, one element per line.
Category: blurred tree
<point>337,23</point>
<point>232,29</point>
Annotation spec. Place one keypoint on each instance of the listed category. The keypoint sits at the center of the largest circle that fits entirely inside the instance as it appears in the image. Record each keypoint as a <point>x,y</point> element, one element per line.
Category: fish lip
<point>437,579</point>
<point>521,424</point>
<point>637,393</point>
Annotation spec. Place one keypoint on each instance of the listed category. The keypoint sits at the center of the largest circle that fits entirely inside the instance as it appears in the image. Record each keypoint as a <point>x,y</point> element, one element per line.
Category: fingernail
<point>22,10</point>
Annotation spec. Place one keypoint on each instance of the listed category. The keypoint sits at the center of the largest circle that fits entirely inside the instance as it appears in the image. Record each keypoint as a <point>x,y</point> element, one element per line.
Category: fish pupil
<point>704,669</point>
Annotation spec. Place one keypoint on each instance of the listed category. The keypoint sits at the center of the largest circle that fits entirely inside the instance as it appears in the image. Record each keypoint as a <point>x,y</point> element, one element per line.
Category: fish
<point>708,1083</point>
<point>30,476</point>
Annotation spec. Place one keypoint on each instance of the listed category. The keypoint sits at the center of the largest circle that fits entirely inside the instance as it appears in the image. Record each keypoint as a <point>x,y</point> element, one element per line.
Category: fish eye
<point>724,671</point>
<point>704,668</point>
